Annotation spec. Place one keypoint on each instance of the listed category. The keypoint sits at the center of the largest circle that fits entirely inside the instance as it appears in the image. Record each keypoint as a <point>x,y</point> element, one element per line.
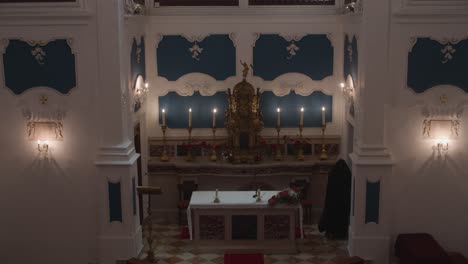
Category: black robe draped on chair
<point>335,216</point>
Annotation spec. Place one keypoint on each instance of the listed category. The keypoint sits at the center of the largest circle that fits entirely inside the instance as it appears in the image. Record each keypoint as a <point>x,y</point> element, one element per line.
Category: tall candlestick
<point>164,117</point>
<point>301,120</point>
<point>214,117</point>
<point>278,122</point>
<point>323,115</point>
<point>190,117</point>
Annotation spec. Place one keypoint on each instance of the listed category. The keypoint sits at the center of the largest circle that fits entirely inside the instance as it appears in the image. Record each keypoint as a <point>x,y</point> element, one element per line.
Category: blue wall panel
<point>350,63</point>
<point>51,65</point>
<point>177,107</point>
<point>314,57</point>
<point>431,63</point>
<point>115,202</point>
<point>217,59</point>
<point>290,109</point>
<point>372,202</point>
<point>137,61</point>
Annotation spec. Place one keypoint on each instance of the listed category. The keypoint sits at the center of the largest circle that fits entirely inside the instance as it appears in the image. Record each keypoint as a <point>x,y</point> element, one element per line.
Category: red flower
<point>272,200</point>
<point>217,147</point>
<point>283,194</point>
<point>297,142</point>
<point>203,144</point>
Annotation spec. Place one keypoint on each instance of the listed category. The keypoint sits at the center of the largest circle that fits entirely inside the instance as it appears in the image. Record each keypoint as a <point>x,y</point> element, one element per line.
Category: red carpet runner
<point>243,259</point>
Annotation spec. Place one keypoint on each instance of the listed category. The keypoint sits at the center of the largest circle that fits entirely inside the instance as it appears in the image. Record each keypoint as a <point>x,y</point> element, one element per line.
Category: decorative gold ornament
<point>243,120</point>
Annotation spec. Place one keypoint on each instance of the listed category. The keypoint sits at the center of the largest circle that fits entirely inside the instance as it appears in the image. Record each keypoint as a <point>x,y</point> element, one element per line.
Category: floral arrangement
<point>287,196</point>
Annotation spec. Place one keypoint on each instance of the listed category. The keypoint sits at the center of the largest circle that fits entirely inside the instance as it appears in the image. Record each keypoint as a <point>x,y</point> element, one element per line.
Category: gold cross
<point>43,99</point>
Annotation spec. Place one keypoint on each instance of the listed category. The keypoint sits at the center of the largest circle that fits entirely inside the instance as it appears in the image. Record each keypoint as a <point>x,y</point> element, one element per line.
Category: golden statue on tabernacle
<point>243,120</point>
<point>246,69</point>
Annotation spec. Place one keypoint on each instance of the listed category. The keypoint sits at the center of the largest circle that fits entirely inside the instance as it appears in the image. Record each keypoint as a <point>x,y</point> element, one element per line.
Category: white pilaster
<point>116,157</point>
<point>372,163</point>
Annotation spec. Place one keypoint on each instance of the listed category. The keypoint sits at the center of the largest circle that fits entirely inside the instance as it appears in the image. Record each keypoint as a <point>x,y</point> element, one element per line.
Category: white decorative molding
<point>159,38</point>
<point>299,83</point>
<point>44,112</point>
<point>294,37</point>
<point>283,85</point>
<point>3,44</point>
<point>35,8</point>
<point>233,38</point>
<point>194,38</point>
<point>444,40</point>
<point>255,37</point>
<point>428,7</point>
<point>189,83</point>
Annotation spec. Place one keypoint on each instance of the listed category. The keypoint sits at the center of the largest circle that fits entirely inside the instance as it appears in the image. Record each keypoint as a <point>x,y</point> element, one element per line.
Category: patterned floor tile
<point>314,249</point>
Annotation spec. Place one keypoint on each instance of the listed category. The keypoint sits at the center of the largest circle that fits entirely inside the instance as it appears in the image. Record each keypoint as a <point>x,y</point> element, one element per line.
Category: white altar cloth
<point>232,199</point>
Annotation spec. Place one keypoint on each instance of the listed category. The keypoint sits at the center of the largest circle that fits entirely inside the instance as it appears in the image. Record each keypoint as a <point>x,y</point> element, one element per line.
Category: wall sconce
<point>441,131</point>
<point>42,147</point>
<point>44,131</point>
<point>347,90</point>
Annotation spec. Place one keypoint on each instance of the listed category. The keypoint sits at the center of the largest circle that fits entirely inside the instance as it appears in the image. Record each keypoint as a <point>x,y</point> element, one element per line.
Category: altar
<point>240,223</point>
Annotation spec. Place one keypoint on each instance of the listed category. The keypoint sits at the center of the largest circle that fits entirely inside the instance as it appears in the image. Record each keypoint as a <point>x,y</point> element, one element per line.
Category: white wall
<point>48,206</point>
<point>428,192</point>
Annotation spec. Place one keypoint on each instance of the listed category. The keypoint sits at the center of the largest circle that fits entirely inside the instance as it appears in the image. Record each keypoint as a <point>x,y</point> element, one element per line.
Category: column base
<point>113,248</point>
<point>371,248</point>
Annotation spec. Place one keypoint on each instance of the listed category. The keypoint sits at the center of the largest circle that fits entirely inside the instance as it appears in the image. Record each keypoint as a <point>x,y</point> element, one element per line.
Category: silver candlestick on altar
<point>213,151</point>
<point>300,154</point>
<point>189,147</point>
<point>164,156</point>
<point>278,147</point>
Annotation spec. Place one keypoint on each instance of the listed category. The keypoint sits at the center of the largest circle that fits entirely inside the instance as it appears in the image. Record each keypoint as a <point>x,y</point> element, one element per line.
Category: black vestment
<point>335,214</point>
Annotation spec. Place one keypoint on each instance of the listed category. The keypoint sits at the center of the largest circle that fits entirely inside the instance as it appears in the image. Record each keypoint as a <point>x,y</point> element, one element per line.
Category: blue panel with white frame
<point>312,55</point>
<point>350,59</point>
<point>137,60</point>
<point>432,63</point>
<point>28,65</point>
<point>215,55</point>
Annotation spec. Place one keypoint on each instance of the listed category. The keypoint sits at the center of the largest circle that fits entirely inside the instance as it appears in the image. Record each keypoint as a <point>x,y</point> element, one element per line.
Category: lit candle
<point>323,115</point>
<point>301,120</point>
<point>190,117</point>
<point>278,122</point>
<point>214,117</point>
<point>163,117</point>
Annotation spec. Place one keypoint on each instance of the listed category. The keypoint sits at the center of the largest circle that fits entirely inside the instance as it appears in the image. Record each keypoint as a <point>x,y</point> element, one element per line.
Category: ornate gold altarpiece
<point>243,120</point>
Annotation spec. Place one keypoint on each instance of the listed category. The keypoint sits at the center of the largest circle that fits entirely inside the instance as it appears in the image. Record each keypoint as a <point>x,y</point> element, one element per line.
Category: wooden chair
<point>302,185</point>
<point>186,189</point>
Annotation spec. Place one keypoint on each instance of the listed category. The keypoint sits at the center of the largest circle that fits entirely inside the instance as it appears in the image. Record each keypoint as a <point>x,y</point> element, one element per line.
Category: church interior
<point>233,131</point>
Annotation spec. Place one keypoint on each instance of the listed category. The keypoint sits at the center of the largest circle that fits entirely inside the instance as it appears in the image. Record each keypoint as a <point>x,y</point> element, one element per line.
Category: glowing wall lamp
<point>44,131</point>
<point>441,131</point>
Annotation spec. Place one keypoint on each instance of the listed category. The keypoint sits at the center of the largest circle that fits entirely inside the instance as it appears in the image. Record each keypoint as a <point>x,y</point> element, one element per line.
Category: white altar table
<point>239,223</point>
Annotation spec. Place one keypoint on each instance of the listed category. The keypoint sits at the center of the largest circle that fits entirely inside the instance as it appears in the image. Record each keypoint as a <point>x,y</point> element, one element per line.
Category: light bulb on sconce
<point>347,90</point>
<point>442,146</point>
<point>42,147</point>
<point>146,85</point>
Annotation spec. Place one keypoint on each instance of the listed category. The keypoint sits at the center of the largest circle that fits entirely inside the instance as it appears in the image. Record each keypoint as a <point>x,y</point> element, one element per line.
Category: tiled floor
<point>315,249</point>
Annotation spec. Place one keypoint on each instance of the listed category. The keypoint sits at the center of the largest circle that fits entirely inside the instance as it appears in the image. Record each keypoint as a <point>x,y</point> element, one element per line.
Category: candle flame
<point>323,108</point>
<point>164,110</point>
<point>302,109</point>
<point>278,110</point>
<point>190,110</point>
<point>215,110</point>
